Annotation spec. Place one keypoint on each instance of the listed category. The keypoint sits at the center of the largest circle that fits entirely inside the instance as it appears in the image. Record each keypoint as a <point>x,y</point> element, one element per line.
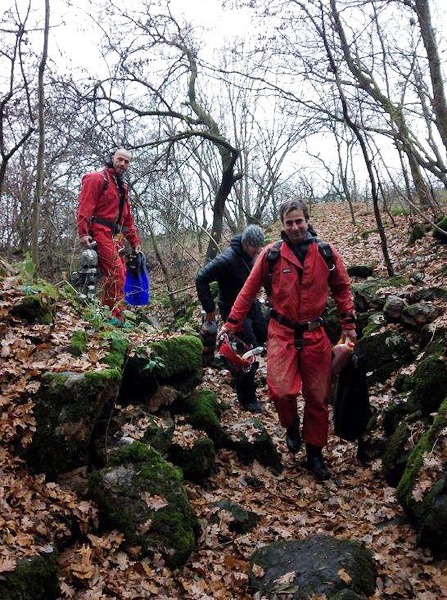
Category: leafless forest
<point>322,99</point>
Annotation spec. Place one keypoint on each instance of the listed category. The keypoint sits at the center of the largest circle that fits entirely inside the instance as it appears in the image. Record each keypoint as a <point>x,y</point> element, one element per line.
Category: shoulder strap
<point>121,193</point>
<point>105,181</point>
<point>273,254</point>
<point>326,252</point>
<point>272,257</point>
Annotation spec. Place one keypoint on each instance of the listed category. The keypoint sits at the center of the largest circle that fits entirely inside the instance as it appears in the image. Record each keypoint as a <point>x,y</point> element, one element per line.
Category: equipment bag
<point>136,285</point>
<point>351,407</point>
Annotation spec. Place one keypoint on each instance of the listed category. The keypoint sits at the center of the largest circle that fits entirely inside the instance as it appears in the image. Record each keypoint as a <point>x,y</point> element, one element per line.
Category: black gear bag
<point>351,407</point>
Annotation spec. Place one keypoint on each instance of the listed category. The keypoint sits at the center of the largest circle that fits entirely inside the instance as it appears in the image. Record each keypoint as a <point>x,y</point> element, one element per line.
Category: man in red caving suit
<point>104,220</point>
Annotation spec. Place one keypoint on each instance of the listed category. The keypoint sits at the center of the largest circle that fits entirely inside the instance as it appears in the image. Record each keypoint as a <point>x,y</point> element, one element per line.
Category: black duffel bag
<point>351,407</point>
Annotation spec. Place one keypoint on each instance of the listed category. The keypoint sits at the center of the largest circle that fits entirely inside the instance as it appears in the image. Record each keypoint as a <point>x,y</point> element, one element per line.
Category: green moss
<point>204,413</point>
<point>78,342</point>
<point>415,508</point>
<point>375,322</point>
<point>439,235</point>
<point>258,446</point>
<point>197,463</point>
<point>67,407</point>
<point>394,458</point>
<point>178,354</point>
<point>417,233</point>
<point>429,383</point>
<point>367,294</point>
<point>33,579</point>
<point>118,347</point>
<point>35,309</point>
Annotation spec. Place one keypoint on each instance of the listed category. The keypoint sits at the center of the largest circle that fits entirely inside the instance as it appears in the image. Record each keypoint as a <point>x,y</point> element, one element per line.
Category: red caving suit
<point>102,200</point>
<point>299,293</point>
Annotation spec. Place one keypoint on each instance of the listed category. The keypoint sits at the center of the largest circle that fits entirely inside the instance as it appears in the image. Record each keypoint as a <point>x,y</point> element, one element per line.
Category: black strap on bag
<point>351,407</point>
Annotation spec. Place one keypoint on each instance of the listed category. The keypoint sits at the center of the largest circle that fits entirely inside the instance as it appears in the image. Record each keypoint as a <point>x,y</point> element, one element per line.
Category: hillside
<point>356,503</point>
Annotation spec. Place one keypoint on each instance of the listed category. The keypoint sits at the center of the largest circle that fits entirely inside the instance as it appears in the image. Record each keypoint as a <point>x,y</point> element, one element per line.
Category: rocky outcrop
<point>142,495</point>
<point>317,566</point>
<point>67,409</point>
<point>422,490</point>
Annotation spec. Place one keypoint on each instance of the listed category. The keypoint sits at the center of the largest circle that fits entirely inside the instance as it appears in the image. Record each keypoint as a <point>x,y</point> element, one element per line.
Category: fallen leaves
<point>36,515</point>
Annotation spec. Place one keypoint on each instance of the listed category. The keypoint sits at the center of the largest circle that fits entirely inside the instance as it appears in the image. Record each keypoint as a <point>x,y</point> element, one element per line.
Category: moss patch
<point>427,507</point>
<point>66,408</point>
<point>177,354</point>
<point>78,343</point>
<point>204,413</point>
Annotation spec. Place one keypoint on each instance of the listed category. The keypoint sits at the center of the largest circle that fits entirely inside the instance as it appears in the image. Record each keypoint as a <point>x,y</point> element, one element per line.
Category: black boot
<point>246,389</point>
<point>293,436</point>
<point>315,463</point>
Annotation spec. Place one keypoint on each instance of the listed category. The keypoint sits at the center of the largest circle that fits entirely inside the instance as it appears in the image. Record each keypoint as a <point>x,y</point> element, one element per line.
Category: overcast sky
<point>73,35</point>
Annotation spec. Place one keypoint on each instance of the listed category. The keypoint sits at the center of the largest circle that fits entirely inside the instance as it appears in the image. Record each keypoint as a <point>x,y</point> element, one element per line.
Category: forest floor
<point>356,503</point>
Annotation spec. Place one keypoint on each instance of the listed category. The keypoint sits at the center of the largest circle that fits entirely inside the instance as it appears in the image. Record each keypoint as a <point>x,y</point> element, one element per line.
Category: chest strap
<point>298,328</point>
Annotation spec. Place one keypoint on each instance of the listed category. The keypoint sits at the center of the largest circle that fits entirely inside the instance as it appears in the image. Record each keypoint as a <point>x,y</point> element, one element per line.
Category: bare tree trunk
<point>439,103</point>
<point>401,130</point>
<point>41,147</point>
<point>368,163</point>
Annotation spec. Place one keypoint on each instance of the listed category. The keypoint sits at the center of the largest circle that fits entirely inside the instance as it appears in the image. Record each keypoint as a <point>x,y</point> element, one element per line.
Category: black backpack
<point>273,255</point>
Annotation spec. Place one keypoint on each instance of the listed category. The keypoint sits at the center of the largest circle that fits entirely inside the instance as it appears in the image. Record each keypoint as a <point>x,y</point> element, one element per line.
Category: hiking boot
<point>293,437</point>
<point>315,463</point>
<point>317,466</point>
<point>254,406</point>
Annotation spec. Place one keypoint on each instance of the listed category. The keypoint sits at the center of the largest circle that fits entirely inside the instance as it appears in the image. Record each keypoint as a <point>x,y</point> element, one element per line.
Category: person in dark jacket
<point>230,270</point>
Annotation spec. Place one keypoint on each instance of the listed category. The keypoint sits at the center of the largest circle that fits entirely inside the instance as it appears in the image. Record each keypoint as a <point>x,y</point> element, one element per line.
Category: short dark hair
<point>253,235</point>
<point>289,205</point>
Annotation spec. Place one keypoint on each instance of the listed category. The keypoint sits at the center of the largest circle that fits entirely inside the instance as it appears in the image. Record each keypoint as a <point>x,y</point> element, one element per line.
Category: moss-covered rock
<point>386,352</point>
<point>394,458</point>
<point>239,520</point>
<point>177,354</point>
<point>197,462</point>
<point>427,294</point>
<point>374,323</point>
<point>372,294</point>
<point>174,361</point>
<point>315,564</point>
<point>441,235</point>
<point>152,430</point>
<point>118,346</point>
<point>428,385</point>
<point>35,308</point>
<point>204,412</point>
<point>34,578</point>
<point>422,490</point>
<point>142,495</point>
<point>416,316</point>
<point>417,232</point>
<point>67,408</point>
<point>251,441</point>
